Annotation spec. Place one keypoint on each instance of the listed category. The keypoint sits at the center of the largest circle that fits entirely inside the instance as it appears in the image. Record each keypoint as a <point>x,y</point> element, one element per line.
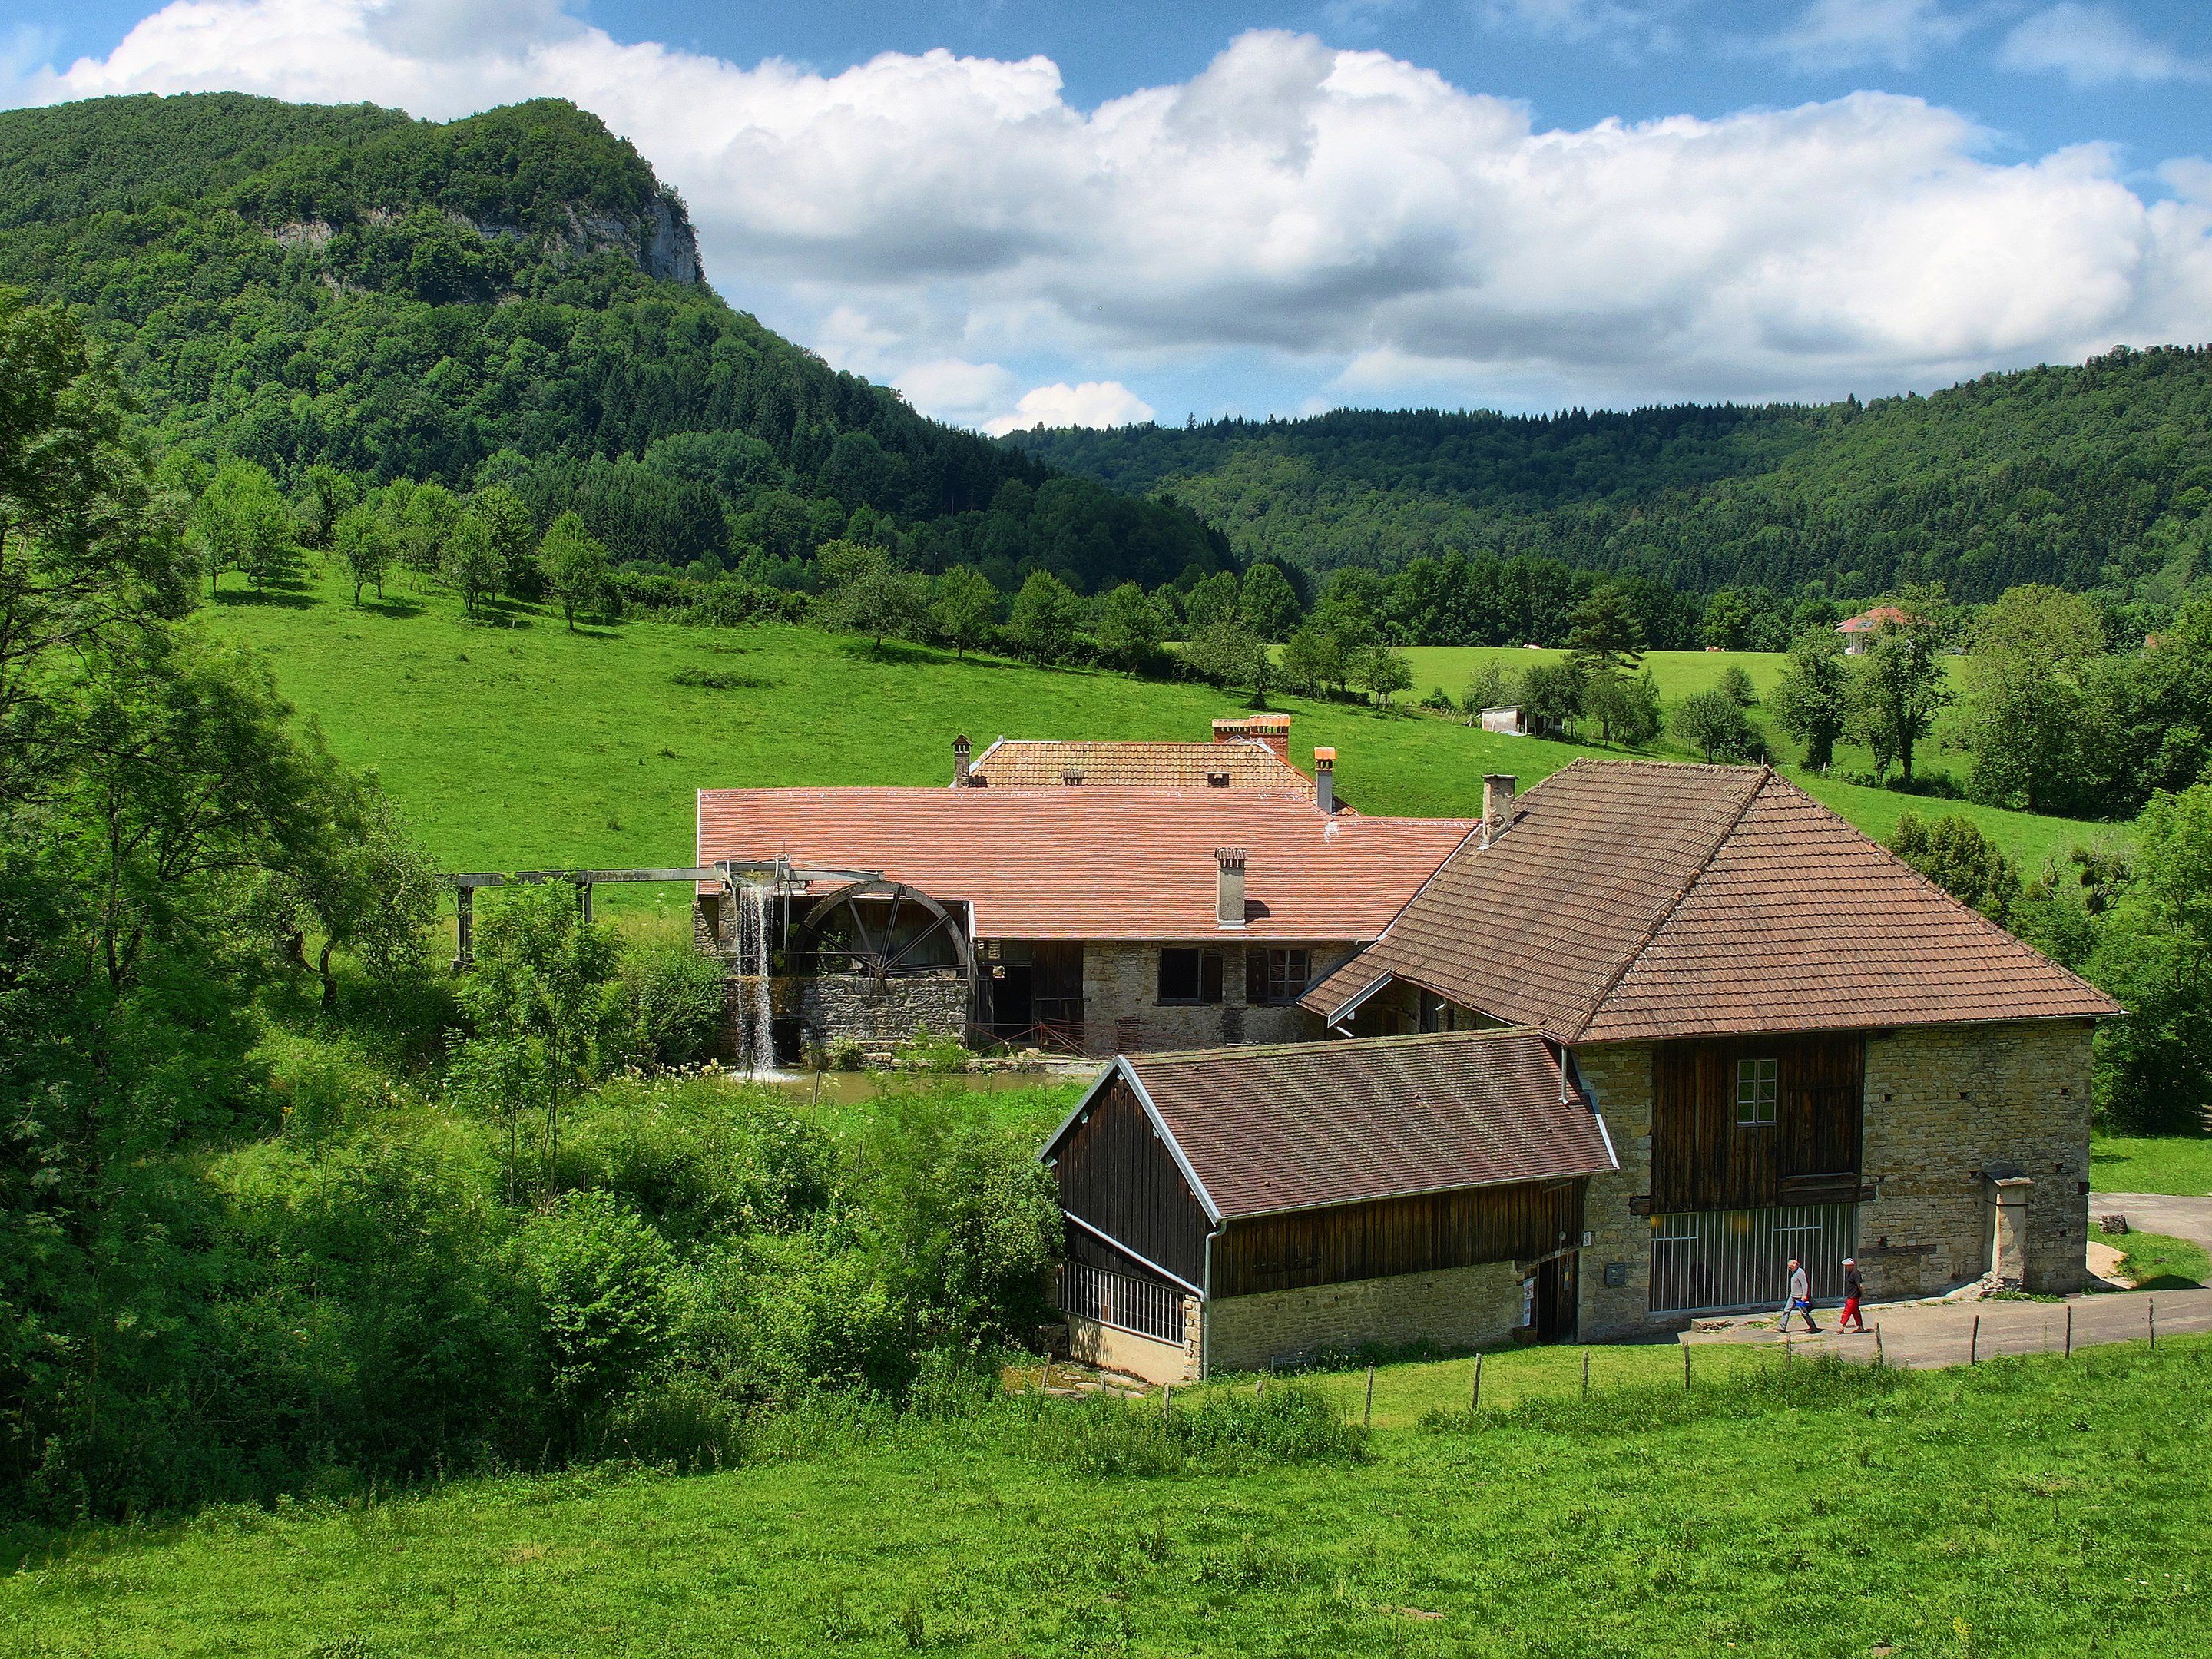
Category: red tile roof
<point>1098,864</point>
<point>1638,899</point>
<point>1039,764</point>
<point>1300,1126</point>
<point>1868,621</point>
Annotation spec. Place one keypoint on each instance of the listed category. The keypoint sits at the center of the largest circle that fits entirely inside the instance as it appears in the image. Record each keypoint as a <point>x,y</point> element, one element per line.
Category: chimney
<point>1325,780</point>
<point>1274,731</point>
<point>1498,790</point>
<point>1228,731</point>
<point>960,752</point>
<point>1229,889</point>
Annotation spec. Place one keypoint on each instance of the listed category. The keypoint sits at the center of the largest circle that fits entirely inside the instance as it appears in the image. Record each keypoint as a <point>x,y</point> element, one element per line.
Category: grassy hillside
<point>2023,1507</point>
<point>523,745</point>
<point>2095,476</point>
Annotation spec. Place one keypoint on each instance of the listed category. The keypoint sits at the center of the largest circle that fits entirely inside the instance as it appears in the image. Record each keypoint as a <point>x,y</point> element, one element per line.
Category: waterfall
<point>753,967</point>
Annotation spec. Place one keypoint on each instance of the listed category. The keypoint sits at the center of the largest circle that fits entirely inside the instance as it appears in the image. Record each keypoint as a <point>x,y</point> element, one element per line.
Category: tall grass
<point>1816,1384</point>
<point>1228,1434</point>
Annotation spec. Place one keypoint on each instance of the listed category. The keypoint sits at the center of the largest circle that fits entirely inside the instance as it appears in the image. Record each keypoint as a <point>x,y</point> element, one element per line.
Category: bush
<point>1227,1434</point>
<point>674,994</point>
<point>1712,724</point>
<point>605,1310</point>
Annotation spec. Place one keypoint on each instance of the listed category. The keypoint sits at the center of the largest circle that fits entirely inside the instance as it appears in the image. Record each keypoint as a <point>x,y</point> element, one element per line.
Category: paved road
<point>2158,1212</point>
<point>1926,1337</point>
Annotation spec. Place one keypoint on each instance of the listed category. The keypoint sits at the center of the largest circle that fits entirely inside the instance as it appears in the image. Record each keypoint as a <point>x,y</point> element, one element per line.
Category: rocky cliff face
<point>660,243</point>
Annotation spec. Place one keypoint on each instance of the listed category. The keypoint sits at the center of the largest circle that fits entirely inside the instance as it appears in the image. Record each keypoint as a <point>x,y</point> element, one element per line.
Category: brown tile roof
<point>1098,864</point>
<point>1247,763</point>
<point>1641,899</point>
<point>1299,1125</point>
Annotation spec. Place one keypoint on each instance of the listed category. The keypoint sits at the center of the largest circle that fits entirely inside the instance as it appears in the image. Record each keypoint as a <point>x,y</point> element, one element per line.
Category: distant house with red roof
<point>1857,630</point>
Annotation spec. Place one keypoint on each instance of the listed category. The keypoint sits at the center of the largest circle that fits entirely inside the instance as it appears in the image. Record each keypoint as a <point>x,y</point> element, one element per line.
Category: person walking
<point>1800,1298</point>
<point>1854,1288</point>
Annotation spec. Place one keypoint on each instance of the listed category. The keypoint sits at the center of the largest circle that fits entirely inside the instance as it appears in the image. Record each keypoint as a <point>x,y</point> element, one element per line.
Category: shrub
<point>606,1313</point>
<point>674,994</point>
<point>1713,725</point>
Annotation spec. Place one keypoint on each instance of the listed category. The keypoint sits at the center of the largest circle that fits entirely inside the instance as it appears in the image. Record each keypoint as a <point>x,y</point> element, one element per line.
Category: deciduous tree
<point>1813,700</point>
<point>574,564</point>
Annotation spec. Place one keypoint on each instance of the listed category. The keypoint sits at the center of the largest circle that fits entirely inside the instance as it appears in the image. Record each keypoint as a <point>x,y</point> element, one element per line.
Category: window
<point>1190,975</point>
<point>1276,978</point>
<point>1757,1085</point>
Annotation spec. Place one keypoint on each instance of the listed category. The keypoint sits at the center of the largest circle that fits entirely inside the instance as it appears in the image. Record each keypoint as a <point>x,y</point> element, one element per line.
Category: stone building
<point>1800,1047</point>
<point>1093,920</point>
<point>1233,1206</point>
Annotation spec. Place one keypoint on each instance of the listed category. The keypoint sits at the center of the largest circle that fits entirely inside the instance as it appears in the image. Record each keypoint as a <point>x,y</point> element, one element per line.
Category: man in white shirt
<point>1801,1298</point>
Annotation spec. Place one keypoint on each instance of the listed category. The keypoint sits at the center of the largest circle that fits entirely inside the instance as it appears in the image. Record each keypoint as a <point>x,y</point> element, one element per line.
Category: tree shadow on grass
<point>392,606</point>
<point>284,598</point>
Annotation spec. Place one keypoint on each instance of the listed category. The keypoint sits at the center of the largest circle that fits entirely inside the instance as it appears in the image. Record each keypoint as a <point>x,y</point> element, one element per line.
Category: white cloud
<point>1627,26</point>
<point>1094,403</point>
<point>2093,47</point>
<point>952,389</point>
<point>1296,200</point>
<point>1833,34</point>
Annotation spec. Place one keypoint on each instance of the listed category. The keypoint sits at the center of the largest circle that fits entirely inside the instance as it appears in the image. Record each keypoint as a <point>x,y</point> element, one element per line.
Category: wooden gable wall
<point>1115,1172</point>
<point>1703,1159</point>
<point>1425,1232</point>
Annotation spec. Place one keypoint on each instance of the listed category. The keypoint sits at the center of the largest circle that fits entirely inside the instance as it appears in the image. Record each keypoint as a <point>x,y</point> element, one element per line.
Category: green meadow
<point>514,743</point>
<point>2021,1508</point>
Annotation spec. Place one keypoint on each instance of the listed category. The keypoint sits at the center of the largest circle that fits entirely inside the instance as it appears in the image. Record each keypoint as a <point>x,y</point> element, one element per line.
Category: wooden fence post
<point>1974,1342</point>
<point>1686,1368</point>
<point>1585,1373</point>
<point>1475,1403</point>
<point>2069,1330</point>
<point>2150,1307</point>
<point>1881,1357</point>
<point>1368,1422</point>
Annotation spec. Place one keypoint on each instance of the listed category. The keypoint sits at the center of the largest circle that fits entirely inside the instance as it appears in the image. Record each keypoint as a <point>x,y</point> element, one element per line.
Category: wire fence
<point>1712,1260</point>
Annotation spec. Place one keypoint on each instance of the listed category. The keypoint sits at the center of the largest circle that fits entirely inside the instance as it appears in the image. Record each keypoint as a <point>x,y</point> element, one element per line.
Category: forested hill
<point>512,297</point>
<point>2091,476</point>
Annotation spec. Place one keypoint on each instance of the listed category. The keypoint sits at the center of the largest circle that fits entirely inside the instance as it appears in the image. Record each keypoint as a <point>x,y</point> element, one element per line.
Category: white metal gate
<point>1714,1260</point>
<point>1134,1304</point>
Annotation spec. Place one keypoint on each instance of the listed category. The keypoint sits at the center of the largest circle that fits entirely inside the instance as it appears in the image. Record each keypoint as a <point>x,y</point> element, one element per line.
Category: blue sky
<point>1239,207</point>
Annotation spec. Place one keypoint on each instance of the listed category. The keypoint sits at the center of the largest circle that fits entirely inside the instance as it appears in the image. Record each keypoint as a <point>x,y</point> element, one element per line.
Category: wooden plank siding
<point>1116,1173</point>
<point>1423,1233</point>
<point>1702,1158</point>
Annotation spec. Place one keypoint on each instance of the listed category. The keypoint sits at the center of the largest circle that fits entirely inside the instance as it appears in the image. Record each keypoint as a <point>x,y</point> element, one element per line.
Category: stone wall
<point>1123,1012</point>
<point>1091,1342</point>
<point>1463,1307</point>
<point>1947,1107</point>
<point>836,1006</point>
<point>1948,1110</point>
<point>1618,1078</point>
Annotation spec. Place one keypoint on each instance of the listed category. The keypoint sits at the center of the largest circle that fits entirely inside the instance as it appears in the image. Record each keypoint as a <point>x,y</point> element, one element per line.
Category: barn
<point>1231,1207</point>
<point>1801,1046</point>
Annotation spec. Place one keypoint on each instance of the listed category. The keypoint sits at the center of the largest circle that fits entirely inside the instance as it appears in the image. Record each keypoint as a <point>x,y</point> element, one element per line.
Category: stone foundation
<point>1109,1347</point>
<point>1460,1307</point>
<point>836,1007</point>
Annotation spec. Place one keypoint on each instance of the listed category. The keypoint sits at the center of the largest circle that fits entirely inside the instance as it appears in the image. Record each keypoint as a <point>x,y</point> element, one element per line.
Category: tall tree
<point>1901,688</point>
<point>1043,621</point>
<point>241,522</point>
<point>574,563</point>
<point>513,537</point>
<point>1268,603</point>
<point>1130,627</point>
<point>470,564</point>
<point>1813,700</point>
<point>2027,699</point>
<point>863,593</point>
<point>964,608</point>
<point>363,546</point>
<point>90,549</point>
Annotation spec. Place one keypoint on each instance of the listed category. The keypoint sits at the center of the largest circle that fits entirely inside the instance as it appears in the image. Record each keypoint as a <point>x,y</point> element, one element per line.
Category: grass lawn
<point>517,744</point>
<point>2152,1261</point>
<point>2022,1508</point>
<point>2180,1165</point>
